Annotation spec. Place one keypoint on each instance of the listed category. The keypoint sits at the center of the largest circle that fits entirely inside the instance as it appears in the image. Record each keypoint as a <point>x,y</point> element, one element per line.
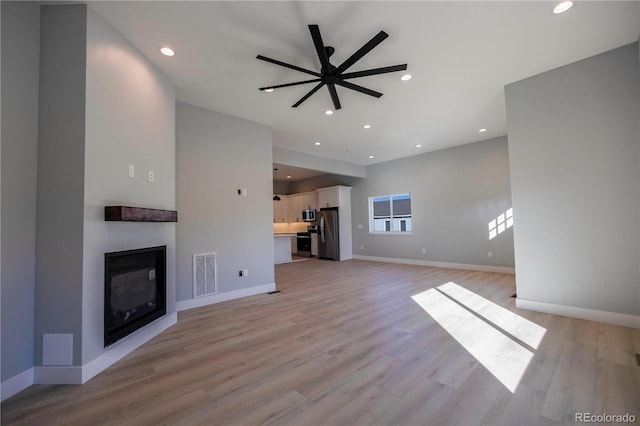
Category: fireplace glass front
<point>134,291</point>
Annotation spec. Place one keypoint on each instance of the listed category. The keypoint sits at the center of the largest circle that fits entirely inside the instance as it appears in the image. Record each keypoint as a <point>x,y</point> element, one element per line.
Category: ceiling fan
<point>330,75</point>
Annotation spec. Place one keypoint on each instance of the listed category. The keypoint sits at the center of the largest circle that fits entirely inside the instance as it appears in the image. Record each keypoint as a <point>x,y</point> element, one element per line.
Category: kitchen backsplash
<point>290,228</point>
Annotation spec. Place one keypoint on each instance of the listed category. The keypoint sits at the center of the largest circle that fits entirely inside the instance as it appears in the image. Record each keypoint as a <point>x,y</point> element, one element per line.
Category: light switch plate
<point>132,171</point>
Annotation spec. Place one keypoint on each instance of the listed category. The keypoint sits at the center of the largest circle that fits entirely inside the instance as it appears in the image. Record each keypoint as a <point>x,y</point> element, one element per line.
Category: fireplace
<point>134,290</point>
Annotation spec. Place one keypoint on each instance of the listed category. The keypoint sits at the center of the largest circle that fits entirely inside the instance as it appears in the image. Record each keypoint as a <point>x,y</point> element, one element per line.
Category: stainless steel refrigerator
<point>328,234</point>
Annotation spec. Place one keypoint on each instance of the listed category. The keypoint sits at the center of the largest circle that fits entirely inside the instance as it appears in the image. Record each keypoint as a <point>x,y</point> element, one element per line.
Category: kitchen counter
<point>282,248</point>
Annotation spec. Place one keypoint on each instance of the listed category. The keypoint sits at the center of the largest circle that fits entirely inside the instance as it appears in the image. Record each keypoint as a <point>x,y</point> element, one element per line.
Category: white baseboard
<point>615,318</point>
<point>77,375</point>
<point>120,349</point>
<point>470,267</point>
<point>183,305</point>
<point>16,384</point>
<point>57,375</point>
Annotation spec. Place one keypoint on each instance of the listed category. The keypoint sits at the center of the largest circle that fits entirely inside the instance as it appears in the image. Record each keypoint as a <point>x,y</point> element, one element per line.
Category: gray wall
<point>20,57</point>
<point>60,209</point>
<point>217,154</point>
<point>316,162</point>
<point>455,193</point>
<point>130,119</point>
<point>322,181</point>
<point>573,146</point>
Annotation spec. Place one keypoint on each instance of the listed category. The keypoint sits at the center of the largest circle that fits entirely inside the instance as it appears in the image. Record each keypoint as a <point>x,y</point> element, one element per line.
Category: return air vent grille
<point>204,274</point>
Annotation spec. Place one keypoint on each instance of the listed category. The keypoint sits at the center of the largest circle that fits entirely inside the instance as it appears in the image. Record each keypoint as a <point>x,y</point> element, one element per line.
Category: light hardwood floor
<point>345,344</point>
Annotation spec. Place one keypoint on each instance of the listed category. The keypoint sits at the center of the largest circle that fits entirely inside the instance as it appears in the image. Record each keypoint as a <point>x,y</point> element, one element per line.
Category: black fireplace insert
<point>134,290</point>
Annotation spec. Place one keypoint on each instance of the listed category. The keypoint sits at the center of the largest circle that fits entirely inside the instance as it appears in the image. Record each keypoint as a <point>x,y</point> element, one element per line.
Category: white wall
<point>20,58</point>
<point>216,155</point>
<point>60,204</point>
<point>455,193</point>
<point>130,119</point>
<point>103,106</point>
<point>574,157</point>
<point>316,162</point>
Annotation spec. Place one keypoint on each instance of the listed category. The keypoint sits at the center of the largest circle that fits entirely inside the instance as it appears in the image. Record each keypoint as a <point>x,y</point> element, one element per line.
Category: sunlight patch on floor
<point>521,328</point>
<point>496,350</point>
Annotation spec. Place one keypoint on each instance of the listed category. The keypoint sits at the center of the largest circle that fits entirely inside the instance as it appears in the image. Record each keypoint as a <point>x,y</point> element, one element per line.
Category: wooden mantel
<point>138,214</point>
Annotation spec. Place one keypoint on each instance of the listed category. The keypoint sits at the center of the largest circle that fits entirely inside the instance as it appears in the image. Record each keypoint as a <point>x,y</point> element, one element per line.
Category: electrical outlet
<point>424,250</point>
<point>489,254</point>
<point>244,192</point>
<point>150,175</point>
<point>361,247</point>
<point>245,272</point>
<point>132,171</point>
<point>360,226</point>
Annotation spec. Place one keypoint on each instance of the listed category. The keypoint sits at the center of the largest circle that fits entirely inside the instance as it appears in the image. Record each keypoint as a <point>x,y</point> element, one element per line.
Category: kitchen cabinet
<point>281,210</point>
<point>310,200</point>
<point>294,211</point>
<point>282,244</point>
<point>299,202</point>
<point>329,197</point>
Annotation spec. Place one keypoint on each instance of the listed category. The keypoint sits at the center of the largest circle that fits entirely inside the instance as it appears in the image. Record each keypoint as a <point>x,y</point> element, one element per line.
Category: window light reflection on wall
<point>500,224</point>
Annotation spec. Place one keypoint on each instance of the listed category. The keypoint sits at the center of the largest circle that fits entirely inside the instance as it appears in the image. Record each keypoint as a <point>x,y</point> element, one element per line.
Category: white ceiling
<point>461,55</point>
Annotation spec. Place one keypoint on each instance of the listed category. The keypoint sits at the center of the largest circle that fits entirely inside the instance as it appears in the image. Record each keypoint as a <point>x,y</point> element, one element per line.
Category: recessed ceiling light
<point>562,7</point>
<point>317,143</point>
<point>482,130</point>
<point>367,126</point>
<point>418,146</point>
<point>167,51</point>
<point>406,77</point>
<point>371,156</point>
<point>328,112</point>
<point>268,90</point>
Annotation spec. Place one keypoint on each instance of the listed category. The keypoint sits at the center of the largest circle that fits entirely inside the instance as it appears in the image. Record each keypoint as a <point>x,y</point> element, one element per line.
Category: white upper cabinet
<point>281,210</point>
<point>329,197</point>
<point>300,202</point>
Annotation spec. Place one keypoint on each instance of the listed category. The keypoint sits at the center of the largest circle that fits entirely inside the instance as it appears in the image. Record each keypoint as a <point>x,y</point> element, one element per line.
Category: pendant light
<point>275,184</point>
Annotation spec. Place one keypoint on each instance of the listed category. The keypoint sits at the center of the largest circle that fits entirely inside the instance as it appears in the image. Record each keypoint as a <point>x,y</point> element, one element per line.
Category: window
<point>390,214</point>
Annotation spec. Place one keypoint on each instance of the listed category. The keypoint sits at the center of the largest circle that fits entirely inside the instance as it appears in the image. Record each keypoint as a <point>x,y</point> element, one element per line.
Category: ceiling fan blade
<point>334,96</point>
<point>293,67</point>
<point>322,53</point>
<point>374,71</point>
<point>305,97</point>
<point>358,88</point>
<point>278,86</point>
<point>376,40</point>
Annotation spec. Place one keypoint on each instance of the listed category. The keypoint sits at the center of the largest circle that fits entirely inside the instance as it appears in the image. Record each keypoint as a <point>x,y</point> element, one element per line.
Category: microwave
<point>309,215</point>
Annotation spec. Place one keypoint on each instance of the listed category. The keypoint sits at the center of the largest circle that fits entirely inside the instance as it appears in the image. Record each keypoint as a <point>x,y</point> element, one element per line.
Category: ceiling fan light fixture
<point>562,7</point>
<point>331,75</point>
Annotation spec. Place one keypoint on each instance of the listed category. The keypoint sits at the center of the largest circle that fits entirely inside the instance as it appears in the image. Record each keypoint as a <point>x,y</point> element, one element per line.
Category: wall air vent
<point>204,274</point>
